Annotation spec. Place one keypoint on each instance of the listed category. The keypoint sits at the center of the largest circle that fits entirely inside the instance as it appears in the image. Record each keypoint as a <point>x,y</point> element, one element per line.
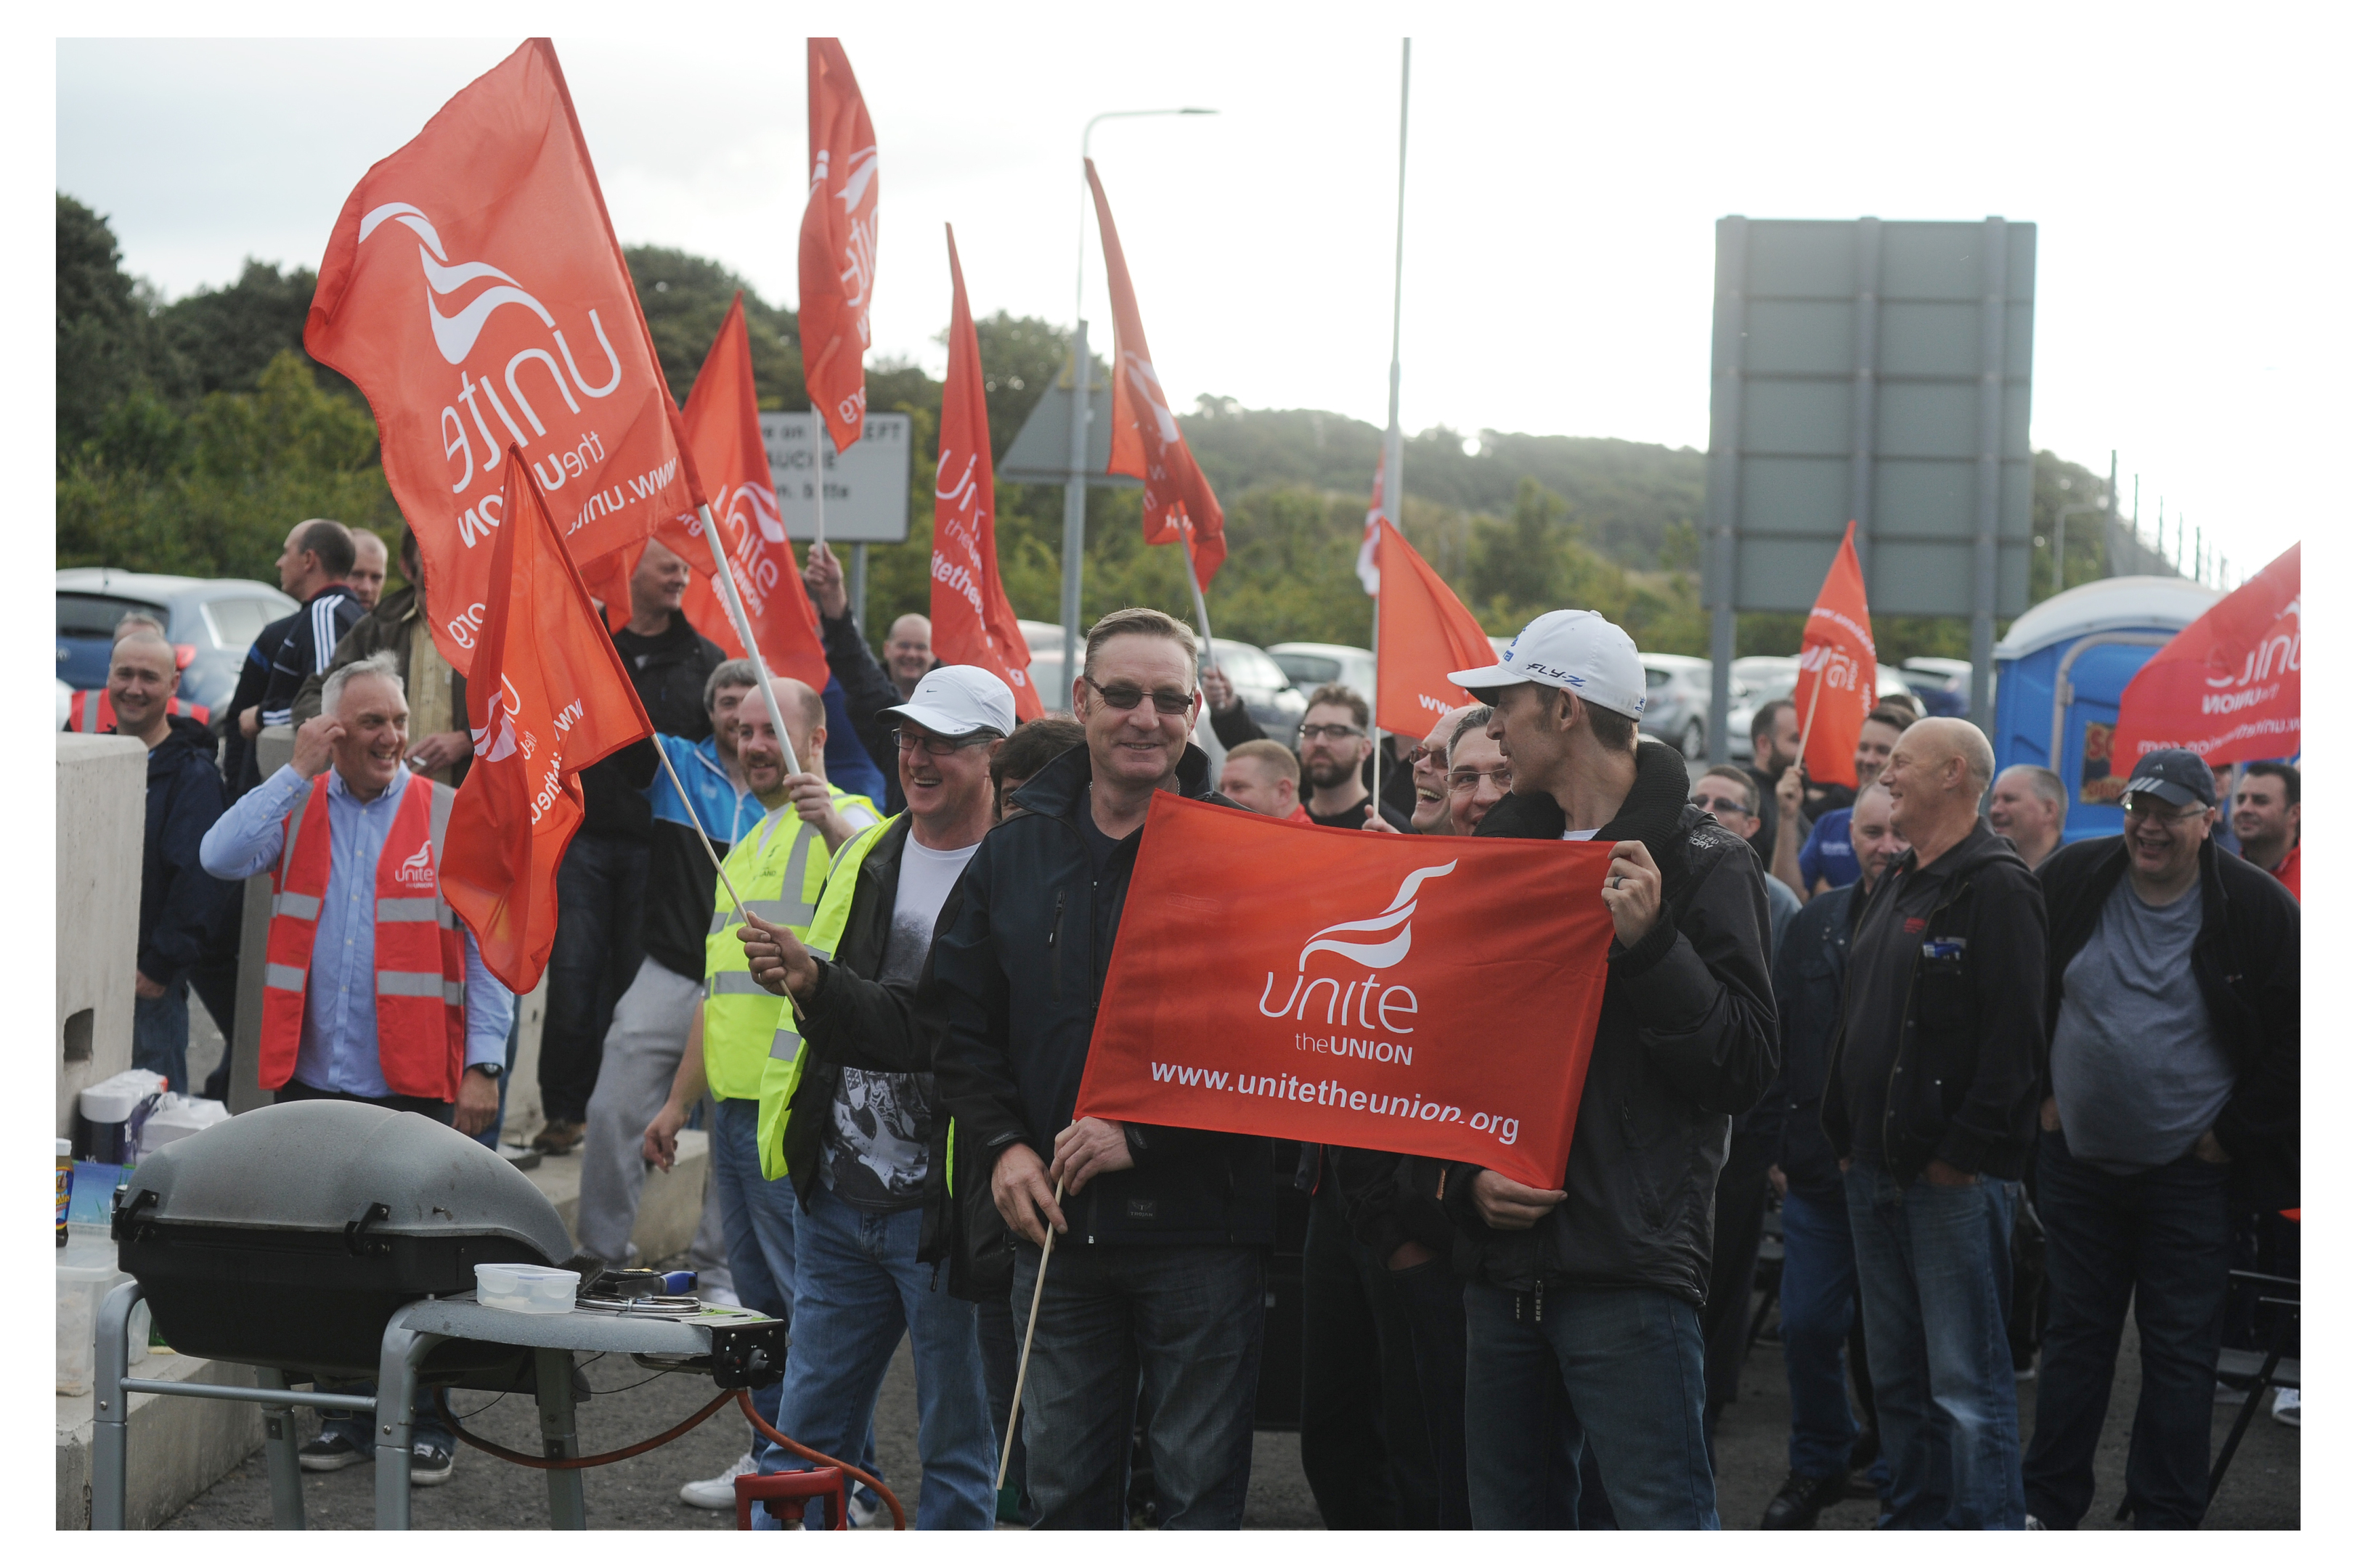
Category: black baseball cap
<point>2177,775</point>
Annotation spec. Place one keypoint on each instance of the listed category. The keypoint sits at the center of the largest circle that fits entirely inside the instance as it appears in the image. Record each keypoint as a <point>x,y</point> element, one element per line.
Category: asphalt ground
<point>2261,1490</point>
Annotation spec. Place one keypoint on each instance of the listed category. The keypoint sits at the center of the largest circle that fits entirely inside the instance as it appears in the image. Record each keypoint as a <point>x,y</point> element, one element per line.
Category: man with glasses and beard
<point>1334,746</point>
<point>1163,1231</point>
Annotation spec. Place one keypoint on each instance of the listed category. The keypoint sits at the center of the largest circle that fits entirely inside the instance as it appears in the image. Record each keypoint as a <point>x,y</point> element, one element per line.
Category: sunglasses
<point>1719,803</point>
<point>1125,697</point>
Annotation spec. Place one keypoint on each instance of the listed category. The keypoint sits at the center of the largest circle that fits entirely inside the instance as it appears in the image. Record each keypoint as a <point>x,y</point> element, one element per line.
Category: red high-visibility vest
<point>92,713</point>
<point>421,959</point>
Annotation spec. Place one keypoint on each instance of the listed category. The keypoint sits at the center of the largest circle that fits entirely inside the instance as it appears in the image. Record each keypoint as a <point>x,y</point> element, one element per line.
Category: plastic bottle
<point>64,1185</point>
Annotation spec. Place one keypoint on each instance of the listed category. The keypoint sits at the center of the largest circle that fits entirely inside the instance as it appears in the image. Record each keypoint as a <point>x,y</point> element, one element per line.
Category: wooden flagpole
<point>1007,1452</point>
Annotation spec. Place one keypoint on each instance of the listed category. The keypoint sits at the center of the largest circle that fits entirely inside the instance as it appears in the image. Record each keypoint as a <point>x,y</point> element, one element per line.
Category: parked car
<point>1266,690</point>
<point>1310,665</point>
<point>1677,702</point>
<point>1944,686</point>
<point>211,623</point>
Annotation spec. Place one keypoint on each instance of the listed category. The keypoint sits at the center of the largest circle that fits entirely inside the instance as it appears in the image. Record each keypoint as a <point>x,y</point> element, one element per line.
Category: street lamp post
<point>1076,478</point>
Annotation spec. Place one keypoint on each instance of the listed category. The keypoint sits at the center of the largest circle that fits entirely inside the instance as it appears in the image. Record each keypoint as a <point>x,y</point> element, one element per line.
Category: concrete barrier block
<point>101,784</point>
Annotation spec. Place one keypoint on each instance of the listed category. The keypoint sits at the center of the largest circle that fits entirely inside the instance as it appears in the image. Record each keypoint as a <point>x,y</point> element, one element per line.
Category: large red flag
<point>1419,1022</point>
<point>1422,632</point>
<point>1147,441</point>
<point>549,697</point>
<point>839,244</point>
<point>972,622</point>
<point>483,247</point>
<point>723,421</point>
<point>2228,685</point>
<point>1835,691</point>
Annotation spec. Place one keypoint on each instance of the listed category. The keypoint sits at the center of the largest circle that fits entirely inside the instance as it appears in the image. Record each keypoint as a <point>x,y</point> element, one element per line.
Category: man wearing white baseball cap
<point>855,1123</point>
<point>1596,1287</point>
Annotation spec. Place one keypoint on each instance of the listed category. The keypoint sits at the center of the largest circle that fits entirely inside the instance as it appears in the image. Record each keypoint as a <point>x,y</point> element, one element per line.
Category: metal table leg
<point>278,1433</point>
<point>111,1359</point>
<point>552,1370</point>
<point>396,1395</point>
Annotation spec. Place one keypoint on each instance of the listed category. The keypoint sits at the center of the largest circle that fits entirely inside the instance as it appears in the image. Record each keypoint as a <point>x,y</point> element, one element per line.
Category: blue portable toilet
<point>2059,672</point>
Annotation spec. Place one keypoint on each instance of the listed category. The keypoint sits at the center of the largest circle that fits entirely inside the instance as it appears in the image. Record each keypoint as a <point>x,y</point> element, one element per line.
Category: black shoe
<point>1803,1498</point>
<point>332,1451</point>
<point>430,1461</point>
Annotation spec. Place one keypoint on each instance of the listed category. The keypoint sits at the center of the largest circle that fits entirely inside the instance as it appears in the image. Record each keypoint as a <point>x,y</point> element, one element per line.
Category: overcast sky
<point>2192,299</point>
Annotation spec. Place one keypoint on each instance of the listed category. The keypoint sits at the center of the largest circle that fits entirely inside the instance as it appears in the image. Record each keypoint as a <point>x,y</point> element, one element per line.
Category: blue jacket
<point>678,908</point>
<point>176,899</point>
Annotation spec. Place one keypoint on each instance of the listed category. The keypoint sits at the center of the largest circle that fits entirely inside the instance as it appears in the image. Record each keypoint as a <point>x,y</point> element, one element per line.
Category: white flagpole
<point>737,618</point>
<point>819,443</point>
<point>1392,435</point>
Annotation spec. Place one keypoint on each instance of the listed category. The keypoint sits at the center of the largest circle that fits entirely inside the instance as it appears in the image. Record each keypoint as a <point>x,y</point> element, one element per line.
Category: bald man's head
<point>909,651</point>
<point>141,674</point>
<point>757,752</point>
<point>1936,776</point>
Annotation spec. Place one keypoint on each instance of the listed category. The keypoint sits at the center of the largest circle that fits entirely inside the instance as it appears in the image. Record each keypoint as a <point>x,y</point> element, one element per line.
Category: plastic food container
<point>525,1287</point>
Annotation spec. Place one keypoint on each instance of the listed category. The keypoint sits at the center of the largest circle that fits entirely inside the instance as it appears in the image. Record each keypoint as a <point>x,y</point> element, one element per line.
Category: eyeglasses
<point>1125,697</point>
<point>1463,779</point>
<point>906,739</point>
<point>1716,804</point>
<point>1424,753</point>
<point>1328,732</point>
<point>2151,808</point>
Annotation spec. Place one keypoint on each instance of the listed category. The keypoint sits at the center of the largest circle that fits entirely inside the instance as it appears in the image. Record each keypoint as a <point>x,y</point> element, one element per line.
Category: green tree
<point>108,346</point>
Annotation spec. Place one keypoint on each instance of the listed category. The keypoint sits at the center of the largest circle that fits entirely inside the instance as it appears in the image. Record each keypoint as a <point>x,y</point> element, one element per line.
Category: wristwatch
<point>492,1070</point>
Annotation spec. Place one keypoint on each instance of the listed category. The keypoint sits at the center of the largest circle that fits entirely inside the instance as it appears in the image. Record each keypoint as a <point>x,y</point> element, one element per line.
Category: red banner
<point>1835,691</point>
<point>1147,441</point>
<point>549,697</point>
<point>972,622</point>
<point>2228,685</point>
<point>839,244</point>
<point>1423,631</point>
<point>723,421</point>
<point>483,247</point>
<point>1354,988</point>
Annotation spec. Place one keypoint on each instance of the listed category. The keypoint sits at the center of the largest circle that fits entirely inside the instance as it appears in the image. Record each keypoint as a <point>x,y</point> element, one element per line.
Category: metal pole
<point>110,1469</point>
<point>1990,475</point>
<point>1393,478</point>
<point>1864,319</point>
<point>819,443</point>
<point>1722,504</point>
<point>2111,519</point>
<point>859,586</point>
<point>743,625</point>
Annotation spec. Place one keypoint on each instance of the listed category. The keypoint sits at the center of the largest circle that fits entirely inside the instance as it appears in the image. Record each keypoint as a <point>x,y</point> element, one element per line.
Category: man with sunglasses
<point>1161,1231</point>
<point>2172,1097</point>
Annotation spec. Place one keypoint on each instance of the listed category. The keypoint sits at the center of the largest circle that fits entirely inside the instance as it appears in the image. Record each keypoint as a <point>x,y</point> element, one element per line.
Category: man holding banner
<point>1593,1289</point>
<point>1163,1230</point>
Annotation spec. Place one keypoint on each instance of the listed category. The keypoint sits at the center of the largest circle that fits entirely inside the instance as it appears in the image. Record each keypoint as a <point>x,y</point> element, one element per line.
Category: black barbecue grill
<point>288,1236</point>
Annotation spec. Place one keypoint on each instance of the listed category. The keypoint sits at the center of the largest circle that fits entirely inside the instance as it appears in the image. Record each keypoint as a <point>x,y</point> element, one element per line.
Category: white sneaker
<point>2288,1407</point>
<point>865,1515</point>
<point>719,1493</point>
<point>2031,1521</point>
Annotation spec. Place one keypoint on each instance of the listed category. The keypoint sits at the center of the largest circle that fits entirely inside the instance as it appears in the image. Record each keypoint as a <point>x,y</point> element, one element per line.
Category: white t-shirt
<point>1582,834</point>
<point>878,1148</point>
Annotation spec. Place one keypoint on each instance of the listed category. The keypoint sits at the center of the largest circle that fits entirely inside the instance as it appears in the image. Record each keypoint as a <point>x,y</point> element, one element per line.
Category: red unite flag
<point>1412,1018</point>
<point>972,622</point>
<point>1835,691</point>
<point>1423,631</point>
<point>1146,442</point>
<point>839,244</point>
<point>549,696</point>
<point>723,421</point>
<point>2228,685</point>
<point>483,247</point>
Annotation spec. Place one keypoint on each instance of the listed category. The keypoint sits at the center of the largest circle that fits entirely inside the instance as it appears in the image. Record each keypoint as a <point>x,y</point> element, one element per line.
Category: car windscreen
<point>1248,666</point>
<point>1309,669</point>
<point>235,623</point>
<point>94,615</point>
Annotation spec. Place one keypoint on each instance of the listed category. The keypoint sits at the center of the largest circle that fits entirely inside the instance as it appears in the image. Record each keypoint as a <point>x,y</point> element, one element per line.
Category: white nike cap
<point>1573,650</point>
<point>959,699</point>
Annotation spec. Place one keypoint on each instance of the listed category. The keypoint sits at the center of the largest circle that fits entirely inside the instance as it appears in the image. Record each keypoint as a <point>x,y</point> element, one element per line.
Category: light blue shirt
<point>339,1050</point>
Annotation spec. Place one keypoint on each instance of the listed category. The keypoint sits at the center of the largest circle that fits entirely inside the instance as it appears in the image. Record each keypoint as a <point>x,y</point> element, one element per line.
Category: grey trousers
<point>643,1046</point>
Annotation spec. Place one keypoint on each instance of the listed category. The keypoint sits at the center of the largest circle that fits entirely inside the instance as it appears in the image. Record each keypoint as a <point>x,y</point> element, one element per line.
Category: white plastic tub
<point>525,1287</point>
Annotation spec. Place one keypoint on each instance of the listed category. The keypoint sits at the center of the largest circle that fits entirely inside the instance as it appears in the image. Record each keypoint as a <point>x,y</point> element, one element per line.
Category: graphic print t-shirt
<point>878,1148</point>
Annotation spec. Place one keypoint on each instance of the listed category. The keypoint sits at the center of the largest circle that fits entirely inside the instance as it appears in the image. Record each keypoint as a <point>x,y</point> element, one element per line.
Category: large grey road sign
<point>1876,372</point>
<point>867,485</point>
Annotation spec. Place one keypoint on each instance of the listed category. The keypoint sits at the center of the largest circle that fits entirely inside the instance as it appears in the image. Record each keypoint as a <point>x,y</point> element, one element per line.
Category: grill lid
<point>322,1165</point>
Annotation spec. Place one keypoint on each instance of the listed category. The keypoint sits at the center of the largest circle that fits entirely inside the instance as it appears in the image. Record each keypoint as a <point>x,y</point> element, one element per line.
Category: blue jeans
<point>1937,1280</point>
<point>159,1035</point>
<point>1547,1372</point>
<point>858,1287</point>
<point>2164,1236</point>
<point>757,1218</point>
<point>1179,1326</point>
<point>1815,1306</point>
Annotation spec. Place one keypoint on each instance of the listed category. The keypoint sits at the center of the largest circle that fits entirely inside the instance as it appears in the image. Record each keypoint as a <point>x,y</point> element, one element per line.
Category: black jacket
<point>177,901</point>
<point>669,669</point>
<point>1685,1042</point>
<point>852,1019</point>
<point>1810,969</point>
<point>1020,970</point>
<point>2246,960</point>
<point>1964,1085</point>
<point>867,691</point>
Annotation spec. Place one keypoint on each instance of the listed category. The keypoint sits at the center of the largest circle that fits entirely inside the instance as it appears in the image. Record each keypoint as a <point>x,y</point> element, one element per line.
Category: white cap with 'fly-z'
<point>959,699</point>
<point>1575,650</point>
